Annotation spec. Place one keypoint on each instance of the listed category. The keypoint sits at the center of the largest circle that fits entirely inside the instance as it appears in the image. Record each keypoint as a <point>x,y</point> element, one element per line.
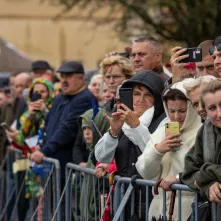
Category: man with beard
<point>61,123</point>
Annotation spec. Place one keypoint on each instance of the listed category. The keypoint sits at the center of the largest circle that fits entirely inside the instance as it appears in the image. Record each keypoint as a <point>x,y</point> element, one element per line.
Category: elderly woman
<point>95,86</point>
<point>130,130</point>
<point>202,163</point>
<point>193,87</point>
<point>159,158</point>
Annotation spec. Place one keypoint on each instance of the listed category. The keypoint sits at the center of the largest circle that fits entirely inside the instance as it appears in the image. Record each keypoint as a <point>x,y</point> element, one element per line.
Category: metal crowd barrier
<point>46,207</point>
<point>14,203</point>
<point>121,197</point>
<point>8,183</point>
<point>86,196</point>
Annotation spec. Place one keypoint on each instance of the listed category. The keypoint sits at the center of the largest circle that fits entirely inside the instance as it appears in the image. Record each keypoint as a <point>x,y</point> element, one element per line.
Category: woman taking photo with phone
<point>163,156</point>
<point>40,100</point>
<point>130,130</point>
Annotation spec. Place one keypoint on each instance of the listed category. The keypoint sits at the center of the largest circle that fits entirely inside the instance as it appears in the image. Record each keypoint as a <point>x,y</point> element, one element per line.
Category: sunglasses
<point>218,48</point>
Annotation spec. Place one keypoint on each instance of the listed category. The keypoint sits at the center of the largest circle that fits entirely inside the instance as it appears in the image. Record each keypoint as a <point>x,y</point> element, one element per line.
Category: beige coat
<point>153,165</point>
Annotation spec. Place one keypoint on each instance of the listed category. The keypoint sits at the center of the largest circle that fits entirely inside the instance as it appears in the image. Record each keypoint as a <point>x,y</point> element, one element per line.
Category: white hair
<point>192,83</point>
<point>94,78</point>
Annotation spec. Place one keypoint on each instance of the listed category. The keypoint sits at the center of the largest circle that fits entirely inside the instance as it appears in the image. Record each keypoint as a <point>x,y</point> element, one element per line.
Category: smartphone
<point>172,128</point>
<point>35,97</point>
<point>195,55</point>
<point>126,97</point>
<point>4,125</point>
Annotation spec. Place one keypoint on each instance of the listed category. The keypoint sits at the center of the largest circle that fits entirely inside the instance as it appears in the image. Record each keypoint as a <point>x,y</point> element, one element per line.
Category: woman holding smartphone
<point>131,129</point>
<point>41,96</point>
<point>163,156</point>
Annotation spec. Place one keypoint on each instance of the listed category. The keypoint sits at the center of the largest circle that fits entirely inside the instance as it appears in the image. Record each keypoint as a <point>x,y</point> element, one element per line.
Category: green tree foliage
<point>188,21</point>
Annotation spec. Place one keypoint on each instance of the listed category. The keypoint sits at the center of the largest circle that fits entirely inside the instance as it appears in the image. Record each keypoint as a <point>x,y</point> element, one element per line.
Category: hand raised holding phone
<point>126,108</point>
<point>128,116</point>
<point>115,123</point>
<point>168,144</point>
<point>177,56</point>
<point>172,140</point>
<point>37,106</point>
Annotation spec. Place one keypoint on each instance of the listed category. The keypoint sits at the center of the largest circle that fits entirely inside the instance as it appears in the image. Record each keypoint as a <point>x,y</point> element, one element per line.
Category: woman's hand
<point>167,182</point>
<point>102,169</point>
<point>38,105</point>
<point>100,172</point>
<point>168,143</point>
<point>12,133</point>
<point>129,116</point>
<point>214,193</point>
<point>115,123</point>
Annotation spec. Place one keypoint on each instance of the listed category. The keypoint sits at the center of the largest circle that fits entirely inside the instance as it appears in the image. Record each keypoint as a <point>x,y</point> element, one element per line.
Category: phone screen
<point>126,97</point>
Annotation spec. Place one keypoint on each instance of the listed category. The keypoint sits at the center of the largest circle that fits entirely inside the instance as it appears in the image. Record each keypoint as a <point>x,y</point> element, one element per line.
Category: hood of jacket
<point>153,83</point>
<point>101,122</point>
<point>191,115</point>
<point>192,121</point>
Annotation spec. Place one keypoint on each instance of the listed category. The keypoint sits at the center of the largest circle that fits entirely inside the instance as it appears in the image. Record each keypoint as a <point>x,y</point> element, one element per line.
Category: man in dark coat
<point>61,123</point>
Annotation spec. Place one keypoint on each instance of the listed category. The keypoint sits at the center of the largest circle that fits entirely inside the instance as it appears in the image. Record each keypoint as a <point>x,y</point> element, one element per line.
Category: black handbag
<point>204,211</point>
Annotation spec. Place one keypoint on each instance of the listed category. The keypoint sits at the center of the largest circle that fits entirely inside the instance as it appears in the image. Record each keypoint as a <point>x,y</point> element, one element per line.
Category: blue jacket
<point>61,125</point>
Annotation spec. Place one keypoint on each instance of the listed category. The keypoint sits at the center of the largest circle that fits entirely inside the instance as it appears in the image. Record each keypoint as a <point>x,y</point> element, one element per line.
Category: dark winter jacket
<point>80,150</point>
<point>163,76</point>
<point>203,161</point>
<point>61,125</point>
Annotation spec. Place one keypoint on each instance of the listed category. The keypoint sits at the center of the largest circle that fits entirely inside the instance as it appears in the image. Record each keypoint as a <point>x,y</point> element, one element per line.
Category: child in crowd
<point>92,130</point>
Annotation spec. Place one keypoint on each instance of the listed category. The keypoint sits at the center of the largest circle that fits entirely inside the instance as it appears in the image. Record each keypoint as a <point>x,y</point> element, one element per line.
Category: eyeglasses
<point>114,76</point>
<point>218,48</point>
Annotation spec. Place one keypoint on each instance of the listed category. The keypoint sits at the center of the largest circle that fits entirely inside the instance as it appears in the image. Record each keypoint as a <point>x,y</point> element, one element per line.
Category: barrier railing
<point>46,206</point>
<point>29,194</point>
<point>86,196</point>
<point>9,186</point>
<point>121,197</point>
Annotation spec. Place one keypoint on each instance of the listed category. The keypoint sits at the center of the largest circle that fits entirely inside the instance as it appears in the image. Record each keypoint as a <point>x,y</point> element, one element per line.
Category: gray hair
<point>148,39</point>
<point>191,83</point>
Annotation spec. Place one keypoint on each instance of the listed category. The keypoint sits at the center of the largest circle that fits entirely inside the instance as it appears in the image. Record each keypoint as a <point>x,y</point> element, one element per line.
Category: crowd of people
<point>88,125</point>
